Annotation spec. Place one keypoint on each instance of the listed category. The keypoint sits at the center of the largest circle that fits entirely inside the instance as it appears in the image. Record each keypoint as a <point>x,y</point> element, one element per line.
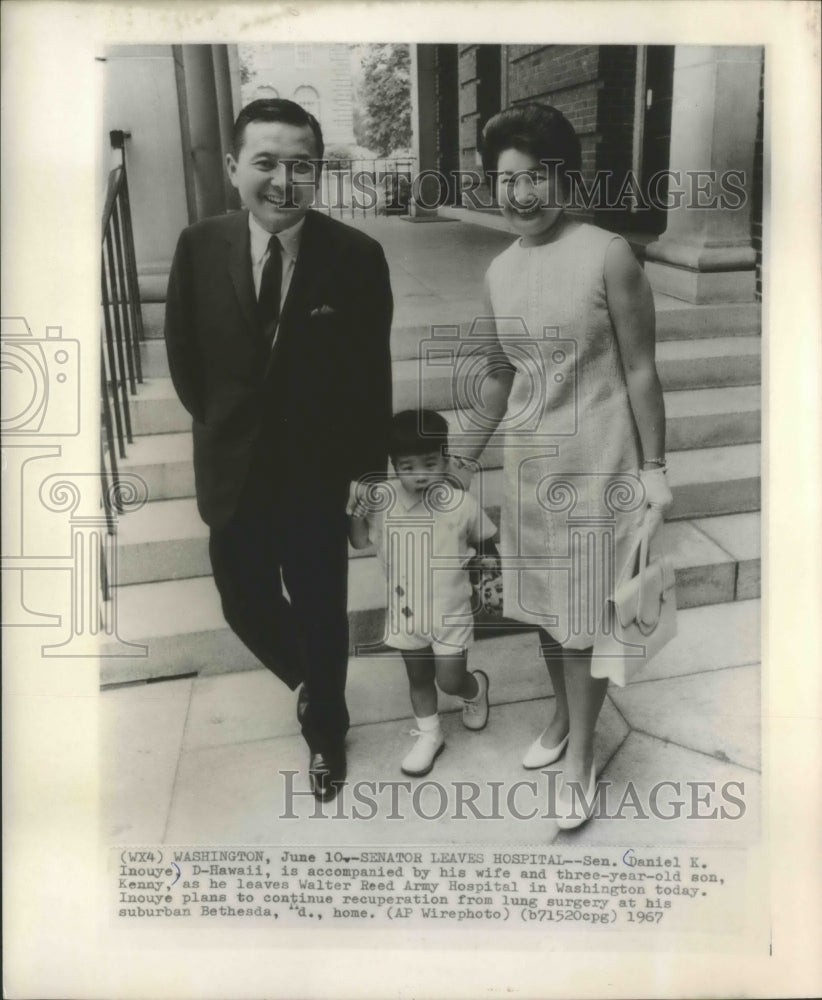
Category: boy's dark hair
<point>417,432</point>
<point>275,109</point>
<point>537,129</point>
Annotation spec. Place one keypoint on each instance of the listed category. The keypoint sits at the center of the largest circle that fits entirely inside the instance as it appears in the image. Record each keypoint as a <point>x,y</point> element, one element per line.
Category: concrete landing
<point>203,760</point>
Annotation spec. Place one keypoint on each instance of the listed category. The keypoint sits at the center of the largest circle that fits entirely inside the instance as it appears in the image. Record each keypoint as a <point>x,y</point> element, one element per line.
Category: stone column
<point>200,127</point>
<point>705,253</point>
<point>225,115</point>
<point>423,119</point>
<point>233,56</point>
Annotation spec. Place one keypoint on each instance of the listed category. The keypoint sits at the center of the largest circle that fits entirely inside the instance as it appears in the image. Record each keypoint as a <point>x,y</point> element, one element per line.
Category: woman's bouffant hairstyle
<point>537,129</point>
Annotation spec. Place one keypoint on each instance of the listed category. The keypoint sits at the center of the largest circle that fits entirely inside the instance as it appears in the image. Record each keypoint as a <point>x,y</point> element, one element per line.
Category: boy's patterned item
<point>424,546</point>
<point>486,579</point>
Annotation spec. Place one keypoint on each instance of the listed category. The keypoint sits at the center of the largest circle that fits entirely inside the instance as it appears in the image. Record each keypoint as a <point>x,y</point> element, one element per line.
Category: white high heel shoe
<point>572,811</point>
<point>540,756</point>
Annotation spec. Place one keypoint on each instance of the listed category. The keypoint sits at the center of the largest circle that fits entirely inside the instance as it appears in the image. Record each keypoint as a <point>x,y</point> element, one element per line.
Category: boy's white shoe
<point>420,758</point>
<point>475,710</point>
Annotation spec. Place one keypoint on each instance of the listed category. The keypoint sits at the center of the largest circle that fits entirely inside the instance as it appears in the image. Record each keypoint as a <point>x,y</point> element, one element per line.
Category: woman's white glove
<point>658,497</point>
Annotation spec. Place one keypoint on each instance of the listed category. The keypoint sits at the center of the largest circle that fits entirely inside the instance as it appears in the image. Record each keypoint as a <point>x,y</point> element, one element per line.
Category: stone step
<point>704,481</point>
<point>167,540</point>
<point>417,383</point>
<point>682,364</point>
<point>707,418</point>
<point>164,540</point>
<point>741,536</point>
<point>695,418</point>
<point>707,572</point>
<point>156,409</point>
<point>675,321</point>
<point>415,314</point>
<point>709,362</point>
<point>153,358</point>
<point>181,621</point>
<point>154,315</point>
<point>713,481</point>
<point>153,284</point>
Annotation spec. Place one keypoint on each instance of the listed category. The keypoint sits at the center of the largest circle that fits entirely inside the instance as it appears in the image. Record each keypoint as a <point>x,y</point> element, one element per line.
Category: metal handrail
<point>122,332</point>
<point>362,187</point>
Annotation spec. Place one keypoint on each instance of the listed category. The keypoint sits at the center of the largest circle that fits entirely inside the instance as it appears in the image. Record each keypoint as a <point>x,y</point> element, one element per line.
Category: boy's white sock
<point>428,724</point>
<point>479,693</point>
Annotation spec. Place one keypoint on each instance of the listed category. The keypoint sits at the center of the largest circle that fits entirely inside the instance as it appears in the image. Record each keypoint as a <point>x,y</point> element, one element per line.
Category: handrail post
<point>122,333</point>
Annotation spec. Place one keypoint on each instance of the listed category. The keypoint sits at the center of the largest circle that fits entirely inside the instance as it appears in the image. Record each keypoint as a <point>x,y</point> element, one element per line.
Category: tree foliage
<point>246,60</point>
<point>385,124</point>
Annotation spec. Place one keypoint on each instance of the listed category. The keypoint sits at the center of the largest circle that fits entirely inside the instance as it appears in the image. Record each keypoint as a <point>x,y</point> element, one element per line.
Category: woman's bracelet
<point>660,463</point>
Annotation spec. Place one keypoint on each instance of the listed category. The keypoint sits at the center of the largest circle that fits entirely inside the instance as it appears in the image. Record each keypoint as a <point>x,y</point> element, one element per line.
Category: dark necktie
<point>268,302</point>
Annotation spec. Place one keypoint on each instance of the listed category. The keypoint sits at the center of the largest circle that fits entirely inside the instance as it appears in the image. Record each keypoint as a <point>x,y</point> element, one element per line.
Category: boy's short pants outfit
<point>423,546</point>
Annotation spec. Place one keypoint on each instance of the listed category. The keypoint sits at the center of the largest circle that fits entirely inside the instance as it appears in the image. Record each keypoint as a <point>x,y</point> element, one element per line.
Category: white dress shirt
<point>290,242</point>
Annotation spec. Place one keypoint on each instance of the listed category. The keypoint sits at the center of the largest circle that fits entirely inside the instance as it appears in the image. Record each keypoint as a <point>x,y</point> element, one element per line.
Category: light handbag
<point>640,618</point>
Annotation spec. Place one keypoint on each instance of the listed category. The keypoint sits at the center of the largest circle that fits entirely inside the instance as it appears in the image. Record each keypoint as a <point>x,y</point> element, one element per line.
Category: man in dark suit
<point>277,329</point>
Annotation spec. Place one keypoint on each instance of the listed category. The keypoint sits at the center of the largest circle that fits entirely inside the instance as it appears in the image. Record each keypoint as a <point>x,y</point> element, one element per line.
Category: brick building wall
<point>592,85</point>
<point>566,76</point>
<point>595,87</point>
<point>446,115</point>
<point>468,115</point>
<point>318,76</point>
<point>616,110</point>
<point>480,83</point>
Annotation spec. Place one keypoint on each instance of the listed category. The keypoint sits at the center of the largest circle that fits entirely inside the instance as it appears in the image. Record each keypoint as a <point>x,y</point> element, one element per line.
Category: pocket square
<point>323,311</point>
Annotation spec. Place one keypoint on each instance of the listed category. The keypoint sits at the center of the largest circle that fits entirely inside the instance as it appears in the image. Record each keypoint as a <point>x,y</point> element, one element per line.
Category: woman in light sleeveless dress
<point>570,379</point>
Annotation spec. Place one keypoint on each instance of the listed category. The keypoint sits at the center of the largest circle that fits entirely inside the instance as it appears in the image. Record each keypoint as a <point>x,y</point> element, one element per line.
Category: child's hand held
<point>357,505</point>
<point>462,468</point>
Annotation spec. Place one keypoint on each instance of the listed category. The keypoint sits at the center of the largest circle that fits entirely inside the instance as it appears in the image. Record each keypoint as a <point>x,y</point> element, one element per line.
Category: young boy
<point>425,528</point>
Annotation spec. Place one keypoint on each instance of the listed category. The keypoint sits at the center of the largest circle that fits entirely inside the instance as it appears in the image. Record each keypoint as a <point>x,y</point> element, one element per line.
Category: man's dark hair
<point>275,109</point>
<point>417,432</point>
<point>536,129</point>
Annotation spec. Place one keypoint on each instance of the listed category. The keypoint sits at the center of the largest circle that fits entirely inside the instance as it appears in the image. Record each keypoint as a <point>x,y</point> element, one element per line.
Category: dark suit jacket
<point>318,405</point>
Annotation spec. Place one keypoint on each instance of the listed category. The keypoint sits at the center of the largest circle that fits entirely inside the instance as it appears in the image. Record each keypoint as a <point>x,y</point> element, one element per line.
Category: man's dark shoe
<point>302,703</point>
<point>326,773</point>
